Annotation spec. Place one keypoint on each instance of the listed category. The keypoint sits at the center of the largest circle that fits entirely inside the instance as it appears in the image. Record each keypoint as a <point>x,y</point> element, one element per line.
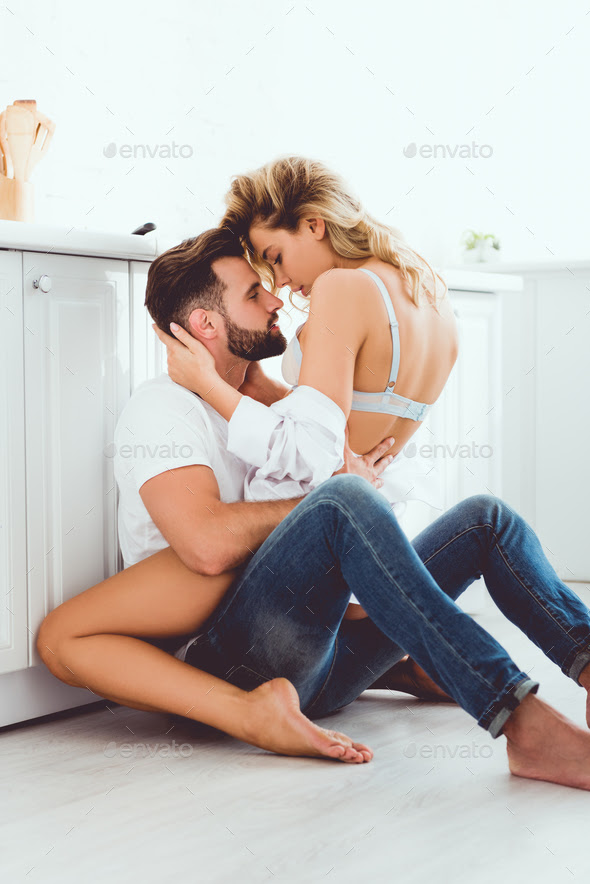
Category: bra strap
<point>394,326</point>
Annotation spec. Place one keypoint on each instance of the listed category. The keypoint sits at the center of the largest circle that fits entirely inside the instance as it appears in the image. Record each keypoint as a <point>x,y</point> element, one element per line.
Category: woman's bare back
<point>428,350</point>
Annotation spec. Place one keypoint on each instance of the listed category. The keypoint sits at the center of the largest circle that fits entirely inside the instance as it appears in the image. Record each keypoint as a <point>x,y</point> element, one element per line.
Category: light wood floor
<point>437,803</point>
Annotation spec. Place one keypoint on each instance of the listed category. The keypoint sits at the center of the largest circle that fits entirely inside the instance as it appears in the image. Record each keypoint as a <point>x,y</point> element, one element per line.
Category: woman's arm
<point>298,442</point>
<point>292,445</point>
<point>261,387</point>
<point>334,333</point>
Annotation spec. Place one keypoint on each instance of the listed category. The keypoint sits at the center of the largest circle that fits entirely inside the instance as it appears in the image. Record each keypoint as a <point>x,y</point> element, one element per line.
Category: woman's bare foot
<point>545,745</point>
<point>275,722</point>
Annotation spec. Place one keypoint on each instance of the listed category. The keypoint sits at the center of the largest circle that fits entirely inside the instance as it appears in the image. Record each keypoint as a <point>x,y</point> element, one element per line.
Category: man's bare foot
<point>275,722</point>
<point>543,744</point>
<point>410,678</point>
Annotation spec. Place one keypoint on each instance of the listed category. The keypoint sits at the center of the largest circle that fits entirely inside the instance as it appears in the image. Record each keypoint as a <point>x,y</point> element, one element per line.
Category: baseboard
<point>34,692</point>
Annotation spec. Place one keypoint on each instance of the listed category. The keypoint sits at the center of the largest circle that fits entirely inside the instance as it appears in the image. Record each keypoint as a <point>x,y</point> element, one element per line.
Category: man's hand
<point>369,465</point>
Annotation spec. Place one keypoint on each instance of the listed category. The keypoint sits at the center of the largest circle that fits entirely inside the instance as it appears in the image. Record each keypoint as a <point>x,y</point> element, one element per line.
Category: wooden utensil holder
<point>16,199</point>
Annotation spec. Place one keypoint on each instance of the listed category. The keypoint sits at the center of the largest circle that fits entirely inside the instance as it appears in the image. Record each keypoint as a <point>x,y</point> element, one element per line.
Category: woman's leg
<point>94,640</point>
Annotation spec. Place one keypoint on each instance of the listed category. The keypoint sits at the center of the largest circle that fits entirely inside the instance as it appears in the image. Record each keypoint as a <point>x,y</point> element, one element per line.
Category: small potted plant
<point>480,247</point>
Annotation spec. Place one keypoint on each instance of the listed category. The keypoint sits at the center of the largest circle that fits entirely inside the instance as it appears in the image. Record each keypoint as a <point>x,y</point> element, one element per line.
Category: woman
<point>380,340</point>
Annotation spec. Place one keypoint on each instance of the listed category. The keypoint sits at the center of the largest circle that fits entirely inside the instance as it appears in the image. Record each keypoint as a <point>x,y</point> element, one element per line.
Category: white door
<point>13,562</point>
<point>77,379</point>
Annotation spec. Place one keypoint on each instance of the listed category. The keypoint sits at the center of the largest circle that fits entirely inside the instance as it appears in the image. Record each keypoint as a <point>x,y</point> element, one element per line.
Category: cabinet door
<point>13,562</point>
<point>77,379</point>
<point>467,420</point>
<point>463,429</point>
<point>546,475</point>
<point>562,423</point>
<point>148,354</point>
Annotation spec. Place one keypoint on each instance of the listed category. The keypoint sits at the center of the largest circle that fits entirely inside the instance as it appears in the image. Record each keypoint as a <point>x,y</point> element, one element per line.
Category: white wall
<point>349,83</point>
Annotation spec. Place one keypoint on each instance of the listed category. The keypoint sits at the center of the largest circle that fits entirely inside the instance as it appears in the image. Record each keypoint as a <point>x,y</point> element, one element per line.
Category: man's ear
<point>204,324</point>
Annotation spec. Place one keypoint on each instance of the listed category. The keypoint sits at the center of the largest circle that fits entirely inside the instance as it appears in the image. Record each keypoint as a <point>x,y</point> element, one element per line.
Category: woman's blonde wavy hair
<point>283,192</point>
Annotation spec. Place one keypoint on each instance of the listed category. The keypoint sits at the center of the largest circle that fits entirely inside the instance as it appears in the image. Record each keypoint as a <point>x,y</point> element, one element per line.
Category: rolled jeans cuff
<point>497,716</point>
<point>580,663</point>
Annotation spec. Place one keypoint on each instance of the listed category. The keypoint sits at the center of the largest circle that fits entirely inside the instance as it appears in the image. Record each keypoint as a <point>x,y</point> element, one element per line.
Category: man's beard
<point>251,344</point>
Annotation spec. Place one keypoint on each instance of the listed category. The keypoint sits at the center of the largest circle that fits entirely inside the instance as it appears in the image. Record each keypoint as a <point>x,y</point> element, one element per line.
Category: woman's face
<point>297,257</point>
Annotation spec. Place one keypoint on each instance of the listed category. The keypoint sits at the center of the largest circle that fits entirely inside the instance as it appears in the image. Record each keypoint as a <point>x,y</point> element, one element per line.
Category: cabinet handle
<point>43,283</point>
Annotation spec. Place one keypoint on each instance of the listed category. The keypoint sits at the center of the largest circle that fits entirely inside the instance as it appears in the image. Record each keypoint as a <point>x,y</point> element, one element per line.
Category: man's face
<point>250,315</point>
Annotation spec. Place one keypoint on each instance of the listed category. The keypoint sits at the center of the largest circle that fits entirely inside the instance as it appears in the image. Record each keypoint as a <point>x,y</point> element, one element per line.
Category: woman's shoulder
<point>338,301</point>
<point>341,282</point>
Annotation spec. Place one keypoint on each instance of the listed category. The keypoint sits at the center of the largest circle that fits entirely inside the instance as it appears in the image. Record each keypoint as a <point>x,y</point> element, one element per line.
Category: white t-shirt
<point>163,427</point>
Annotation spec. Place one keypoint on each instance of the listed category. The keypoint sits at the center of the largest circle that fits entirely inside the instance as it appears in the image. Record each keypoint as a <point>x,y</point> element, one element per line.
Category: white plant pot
<point>484,252</point>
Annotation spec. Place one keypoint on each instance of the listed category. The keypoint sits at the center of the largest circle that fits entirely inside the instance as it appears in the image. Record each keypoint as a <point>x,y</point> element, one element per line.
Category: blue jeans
<point>283,616</point>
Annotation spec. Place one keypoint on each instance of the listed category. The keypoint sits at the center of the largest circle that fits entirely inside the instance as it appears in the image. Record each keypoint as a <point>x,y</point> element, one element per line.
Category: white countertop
<point>129,247</point>
<point>60,240</point>
<point>470,280</point>
<point>552,266</point>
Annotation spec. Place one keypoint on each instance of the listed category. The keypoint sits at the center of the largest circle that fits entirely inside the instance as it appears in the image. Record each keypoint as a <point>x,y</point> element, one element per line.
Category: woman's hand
<point>190,364</point>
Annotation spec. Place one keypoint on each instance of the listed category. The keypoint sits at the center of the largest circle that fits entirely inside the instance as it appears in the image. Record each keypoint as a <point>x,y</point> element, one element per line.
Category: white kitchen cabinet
<point>546,359</point>
<point>67,357</point>
<point>463,431</point>
<point>148,353</point>
<point>13,553</point>
<point>467,420</point>
<point>77,379</point>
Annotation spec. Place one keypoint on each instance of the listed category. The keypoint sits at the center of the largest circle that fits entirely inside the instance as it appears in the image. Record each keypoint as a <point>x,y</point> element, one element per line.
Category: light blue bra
<point>386,402</point>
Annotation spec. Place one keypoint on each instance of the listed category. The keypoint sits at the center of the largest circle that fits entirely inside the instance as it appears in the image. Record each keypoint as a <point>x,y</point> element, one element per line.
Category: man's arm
<point>209,536</point>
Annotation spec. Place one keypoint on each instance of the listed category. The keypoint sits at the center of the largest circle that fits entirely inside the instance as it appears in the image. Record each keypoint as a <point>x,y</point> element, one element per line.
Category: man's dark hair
<point>182,279</point>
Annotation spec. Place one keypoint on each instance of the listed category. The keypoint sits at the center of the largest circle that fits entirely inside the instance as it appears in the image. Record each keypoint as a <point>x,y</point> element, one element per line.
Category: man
<point>206,284</point>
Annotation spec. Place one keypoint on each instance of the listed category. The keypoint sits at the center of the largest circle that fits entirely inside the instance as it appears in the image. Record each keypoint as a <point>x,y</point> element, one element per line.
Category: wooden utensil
<point>25,134</point>
<point>20,135</point>
<point>43,135</point>
<point>6,162</point>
